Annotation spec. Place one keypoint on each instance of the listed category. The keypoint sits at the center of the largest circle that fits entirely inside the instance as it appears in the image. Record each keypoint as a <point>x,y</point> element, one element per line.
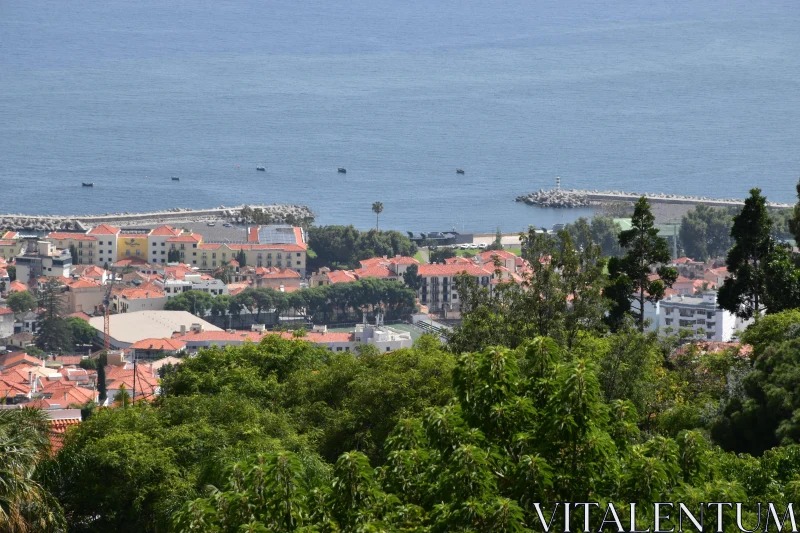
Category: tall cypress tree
<point>743,292</point>
<point>644,250</point>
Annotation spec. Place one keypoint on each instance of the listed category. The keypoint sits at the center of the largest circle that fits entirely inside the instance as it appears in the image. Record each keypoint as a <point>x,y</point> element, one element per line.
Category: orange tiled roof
<point>458,260</point>
<point>17,286</point>
<point>341,276</point>
<point>84,283</point>
<point>276,273</point>
<point>104,229</point>
<point>186,238</point>
<point>57,430</point>
<point>139,293</point>
<point>131,261</point>
<point>373,271</point>
<point>58,236</point>
<point>489,255</point>
<point>18,358</point>
<point>163,345</point>
<point>164,231</point>
<point>6,311</point>
<point>452,270</point>
<point>682,261</point>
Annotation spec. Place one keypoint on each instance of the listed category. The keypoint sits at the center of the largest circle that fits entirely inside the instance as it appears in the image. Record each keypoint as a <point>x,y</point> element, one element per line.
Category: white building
<point>46,260</point>
<point>693,313</point>
<point>193,282</point>
<point>106,244</point>
<point>383,338</point>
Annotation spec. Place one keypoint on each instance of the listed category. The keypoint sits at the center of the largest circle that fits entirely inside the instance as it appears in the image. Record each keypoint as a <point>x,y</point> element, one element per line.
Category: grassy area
<point>515,250</point>
<point>311,253</point>
<point>418,257</point>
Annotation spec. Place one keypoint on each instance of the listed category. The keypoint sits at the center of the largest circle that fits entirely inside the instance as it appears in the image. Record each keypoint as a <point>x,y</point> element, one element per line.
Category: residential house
<point>280,279</point>
<point>84,295</point>
<point>151,348</point>
<point>326,276</point>
<point>133,299</point>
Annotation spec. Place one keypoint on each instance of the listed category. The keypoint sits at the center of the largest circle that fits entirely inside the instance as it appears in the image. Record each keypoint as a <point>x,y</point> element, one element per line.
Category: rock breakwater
<point>47,223</point>
<point>584,198</point>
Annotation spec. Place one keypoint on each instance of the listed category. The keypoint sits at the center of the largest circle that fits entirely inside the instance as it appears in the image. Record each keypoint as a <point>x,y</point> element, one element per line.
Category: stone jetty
<point>47,223</point>
<point>585,198</point>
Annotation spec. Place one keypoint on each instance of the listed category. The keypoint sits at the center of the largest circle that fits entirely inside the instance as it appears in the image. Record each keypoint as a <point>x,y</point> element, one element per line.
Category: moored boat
<point>459,171</point>
<point>342,170</point>
<point>261,169</point>
<point>90,184</point>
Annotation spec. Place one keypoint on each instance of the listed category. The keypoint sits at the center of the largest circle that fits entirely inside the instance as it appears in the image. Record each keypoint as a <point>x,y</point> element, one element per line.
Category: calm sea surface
<point>679,97</point>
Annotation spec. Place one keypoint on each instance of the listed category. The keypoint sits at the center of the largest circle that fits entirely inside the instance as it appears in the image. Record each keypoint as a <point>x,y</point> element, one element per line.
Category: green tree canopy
<point>345,246</point>
<point>645,250</point>
<point>705,232</point>
<point>21,301</point>
<point>743,293</point>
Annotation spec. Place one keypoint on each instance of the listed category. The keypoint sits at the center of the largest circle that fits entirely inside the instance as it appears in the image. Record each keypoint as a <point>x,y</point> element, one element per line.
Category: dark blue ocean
<point>679,96</point>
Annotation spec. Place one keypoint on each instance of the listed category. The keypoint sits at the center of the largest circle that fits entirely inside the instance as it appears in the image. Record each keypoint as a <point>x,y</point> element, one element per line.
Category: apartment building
<point>438,290</point>
<point>701,316</point>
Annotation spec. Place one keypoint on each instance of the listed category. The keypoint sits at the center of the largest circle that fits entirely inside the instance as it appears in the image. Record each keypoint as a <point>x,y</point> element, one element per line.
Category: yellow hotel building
<point>132,243</point>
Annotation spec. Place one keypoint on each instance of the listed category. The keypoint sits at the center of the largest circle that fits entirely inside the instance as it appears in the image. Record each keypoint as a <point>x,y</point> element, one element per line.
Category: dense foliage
<point>329,303</point>
<point>227,405</point>
<point>345,246</point>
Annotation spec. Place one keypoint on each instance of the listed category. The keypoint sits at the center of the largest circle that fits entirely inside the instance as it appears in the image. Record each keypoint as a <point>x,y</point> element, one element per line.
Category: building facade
<point>701,316</point>
<point>438,290</point>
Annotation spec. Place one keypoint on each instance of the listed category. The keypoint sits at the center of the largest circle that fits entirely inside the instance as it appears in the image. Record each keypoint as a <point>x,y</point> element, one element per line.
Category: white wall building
<point>46,260</point>
<point>700,313</point>
<point>106,244</point>
<point>193,282</point>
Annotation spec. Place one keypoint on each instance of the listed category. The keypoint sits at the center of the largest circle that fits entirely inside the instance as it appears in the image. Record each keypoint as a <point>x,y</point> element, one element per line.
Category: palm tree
<point>24,441</point>
<point>377,208</point>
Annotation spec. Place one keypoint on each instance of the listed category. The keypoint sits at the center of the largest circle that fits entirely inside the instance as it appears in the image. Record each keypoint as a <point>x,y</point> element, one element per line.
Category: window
<point>338,348</point>
<point>163,244</point>
<point>387,348</point>
<point>214,255</point>
<point>298,263</point>
<point>162,252</point>
<point>127,252</point>
<point>298,254</point>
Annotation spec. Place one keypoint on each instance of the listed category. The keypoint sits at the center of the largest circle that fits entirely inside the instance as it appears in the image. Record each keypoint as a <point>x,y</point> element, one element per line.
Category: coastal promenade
<point>584,198</point>
<point>39,223</point>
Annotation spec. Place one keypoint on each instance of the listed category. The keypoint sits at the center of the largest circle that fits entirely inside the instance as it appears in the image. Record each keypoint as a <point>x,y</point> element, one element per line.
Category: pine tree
<point>644,250</point>
<point>743,293</point>
<point>55,333</point>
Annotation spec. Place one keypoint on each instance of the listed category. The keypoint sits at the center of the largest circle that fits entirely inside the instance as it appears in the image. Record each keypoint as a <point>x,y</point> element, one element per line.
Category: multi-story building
<point>11,245</point>
<point>158,249</point>
<point>134,299</point>
<point>85,245</point>
<point>701,316</point>
<point>266,246</point>
<point>45,260</point>
<point>193,282</point>
<point>84,295</point>
<point>106,244</point>
<point>187,245</point>
<point>438,290</point>
<point>132,243</point>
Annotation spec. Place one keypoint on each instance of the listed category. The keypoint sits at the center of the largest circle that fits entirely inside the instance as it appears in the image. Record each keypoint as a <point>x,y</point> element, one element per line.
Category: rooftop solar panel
<point>276,235</point>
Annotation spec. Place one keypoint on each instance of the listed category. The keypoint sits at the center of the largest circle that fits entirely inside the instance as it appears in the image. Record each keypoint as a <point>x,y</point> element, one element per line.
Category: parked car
<point>482,246</point>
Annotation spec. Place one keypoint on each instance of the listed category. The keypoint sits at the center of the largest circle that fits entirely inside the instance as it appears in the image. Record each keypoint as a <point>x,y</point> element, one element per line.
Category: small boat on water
<point>459,171</point>
<point>175,178</point>
<point>261,169</point>
<point>91,184</point>
<point>342,170</point>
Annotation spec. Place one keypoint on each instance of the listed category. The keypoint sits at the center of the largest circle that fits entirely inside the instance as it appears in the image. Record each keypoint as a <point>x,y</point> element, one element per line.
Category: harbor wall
<point>40,223</point>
